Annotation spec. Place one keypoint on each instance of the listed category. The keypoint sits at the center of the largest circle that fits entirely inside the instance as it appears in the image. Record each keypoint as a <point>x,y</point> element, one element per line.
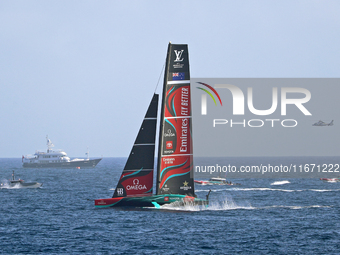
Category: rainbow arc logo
<point>209,93</point>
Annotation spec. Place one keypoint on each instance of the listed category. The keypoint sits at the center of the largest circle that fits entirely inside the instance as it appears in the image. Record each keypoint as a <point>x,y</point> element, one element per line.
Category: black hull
<point>74,164</point>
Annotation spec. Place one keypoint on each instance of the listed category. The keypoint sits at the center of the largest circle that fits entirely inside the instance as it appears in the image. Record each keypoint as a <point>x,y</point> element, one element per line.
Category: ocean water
<point>260,216</point>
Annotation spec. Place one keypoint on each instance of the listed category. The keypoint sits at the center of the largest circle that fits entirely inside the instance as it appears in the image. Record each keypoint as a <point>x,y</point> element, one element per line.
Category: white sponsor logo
<point>179,55</point>
<point>185,186</point>
<point>168,160</point>
<point>120,191</point>
<point>136,185</point>
<point>169,133</point>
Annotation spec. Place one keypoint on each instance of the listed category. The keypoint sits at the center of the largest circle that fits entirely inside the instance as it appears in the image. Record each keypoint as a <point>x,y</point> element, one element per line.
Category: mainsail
<point>175,156</point>
<point>137,176</point>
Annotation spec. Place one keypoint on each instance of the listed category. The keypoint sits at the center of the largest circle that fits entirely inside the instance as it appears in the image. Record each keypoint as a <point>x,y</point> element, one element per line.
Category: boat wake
<point>280,183</point>
<point>230,204</point>
<point>324,190</point>
<point>270,189</point>
<point>295,207</point>
<point>213,190</point>
<point>6,185</point>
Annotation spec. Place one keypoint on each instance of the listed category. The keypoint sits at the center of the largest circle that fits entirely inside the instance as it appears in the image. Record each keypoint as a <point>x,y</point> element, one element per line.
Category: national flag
<point>178,76</point>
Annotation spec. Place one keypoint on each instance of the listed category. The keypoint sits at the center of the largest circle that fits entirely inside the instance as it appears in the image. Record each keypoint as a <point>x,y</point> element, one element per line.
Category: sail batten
<point>133,170</point>
<point>177,117</point>
<point>178,82</point>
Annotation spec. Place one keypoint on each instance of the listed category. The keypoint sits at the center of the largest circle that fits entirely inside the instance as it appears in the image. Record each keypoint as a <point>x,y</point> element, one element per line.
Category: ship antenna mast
<point>87,153</point>
<point>50,145</point>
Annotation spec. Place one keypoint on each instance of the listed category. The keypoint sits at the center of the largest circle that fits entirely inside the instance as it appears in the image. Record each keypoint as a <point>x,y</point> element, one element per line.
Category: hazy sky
<point>83,72</point>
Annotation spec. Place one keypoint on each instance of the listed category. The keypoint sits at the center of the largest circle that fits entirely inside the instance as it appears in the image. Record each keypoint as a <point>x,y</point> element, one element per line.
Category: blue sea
<point>266,214</point>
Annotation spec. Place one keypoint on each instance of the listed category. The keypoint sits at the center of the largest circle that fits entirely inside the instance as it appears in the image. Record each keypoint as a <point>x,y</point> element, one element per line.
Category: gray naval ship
<point>56,158</point>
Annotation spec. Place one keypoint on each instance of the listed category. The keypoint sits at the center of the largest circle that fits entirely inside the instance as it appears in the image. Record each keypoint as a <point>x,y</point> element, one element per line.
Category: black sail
<point>137,176</point>
<point>175,155</point>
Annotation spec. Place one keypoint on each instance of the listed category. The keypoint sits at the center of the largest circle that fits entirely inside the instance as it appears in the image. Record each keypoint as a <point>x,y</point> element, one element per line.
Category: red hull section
<point>107,201</point>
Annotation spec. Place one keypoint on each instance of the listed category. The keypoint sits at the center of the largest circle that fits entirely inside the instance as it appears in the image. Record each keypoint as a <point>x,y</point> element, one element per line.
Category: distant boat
<point>20,183</point>
<point>174,182</point>
<point>330,179</point>
<point>216,181</point>
<point>320,123</point>
<point>56,158</point>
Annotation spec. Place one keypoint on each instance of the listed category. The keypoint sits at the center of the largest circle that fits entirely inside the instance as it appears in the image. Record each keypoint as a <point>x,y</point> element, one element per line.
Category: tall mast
<point>160,144</point>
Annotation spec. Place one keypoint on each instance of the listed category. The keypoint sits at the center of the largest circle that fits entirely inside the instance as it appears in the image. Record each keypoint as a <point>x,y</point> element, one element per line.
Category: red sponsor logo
<point>188,199</point>
<point>169,144</point>
<point>166,198</point>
